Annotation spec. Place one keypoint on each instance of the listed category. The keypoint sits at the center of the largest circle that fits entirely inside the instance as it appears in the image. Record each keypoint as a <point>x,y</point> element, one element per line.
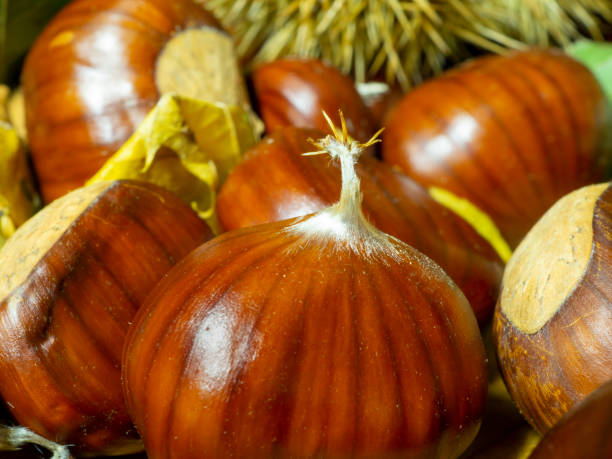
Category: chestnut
<point>295,91</point>
<point>319,336</point>
<point>99,67</point>
<point>510,133</point>
<point>71,278</point>
<point>275,181</point>
<point>584,432</point>
<point>553,320</point>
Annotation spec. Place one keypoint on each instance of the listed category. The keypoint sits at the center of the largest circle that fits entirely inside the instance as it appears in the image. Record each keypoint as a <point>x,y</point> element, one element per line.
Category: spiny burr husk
<point>405,40</point>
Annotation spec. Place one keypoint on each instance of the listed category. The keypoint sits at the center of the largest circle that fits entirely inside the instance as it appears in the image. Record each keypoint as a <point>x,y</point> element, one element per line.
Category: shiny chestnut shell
<point>294,92</point>
<point>71,278</point>
<point>265,342</point>
<point>553,321</point>
<point>510,133</point>
<point>89,80</point>
<point>585,432</point>
<point>275,182</point>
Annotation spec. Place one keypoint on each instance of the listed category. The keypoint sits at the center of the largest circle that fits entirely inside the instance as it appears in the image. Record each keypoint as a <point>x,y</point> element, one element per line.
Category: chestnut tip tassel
<point>318,336</point>
<point>13,438</point>
<point>346,215</point>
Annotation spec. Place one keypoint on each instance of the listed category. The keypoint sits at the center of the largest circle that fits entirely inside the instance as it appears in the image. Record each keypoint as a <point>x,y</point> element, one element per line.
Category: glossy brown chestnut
<point>553,320</point>
<point>314,337</point>
<point>100,66</point>
<point>275,182</point>
<point>293,92</point>
<point>512,134</point>
<point>71,279</point>
<point>585,432</point>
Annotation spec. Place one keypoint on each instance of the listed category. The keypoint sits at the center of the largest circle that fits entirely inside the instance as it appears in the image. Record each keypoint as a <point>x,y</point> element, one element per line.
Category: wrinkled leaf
<point>17,196</point>
<point>597,56</point>
<point>187,146</point>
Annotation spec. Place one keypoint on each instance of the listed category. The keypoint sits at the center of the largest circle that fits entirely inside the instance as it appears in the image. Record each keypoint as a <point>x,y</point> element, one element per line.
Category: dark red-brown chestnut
<point>314,337</point>
<point>553,321</point>
<point>275,182</point>
<point>294,92</point>
<point>99,66</point>
<point>511,133</point>
<point>71,278</point>
<point>585,432</point>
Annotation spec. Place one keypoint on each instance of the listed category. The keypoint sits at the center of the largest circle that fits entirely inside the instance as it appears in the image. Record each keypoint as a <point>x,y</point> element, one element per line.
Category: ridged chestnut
<point>98,68</point>
<point>553,321</point>
<point>276,182</point>
<point>585,432</point>
<point>314,337</point>
<point>294,92</point>
<point>511,133</point>
<point>71,278</point>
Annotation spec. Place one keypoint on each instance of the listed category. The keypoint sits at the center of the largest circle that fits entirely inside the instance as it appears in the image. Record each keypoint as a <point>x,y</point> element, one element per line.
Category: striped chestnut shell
<point>511,133</point>
<point>71,279</point>
<point>552,325</point>
<point>584,432</point>
<point>275,181</point>
<point>294,91</point>
<point>317,336</point>
<point>98,68</point>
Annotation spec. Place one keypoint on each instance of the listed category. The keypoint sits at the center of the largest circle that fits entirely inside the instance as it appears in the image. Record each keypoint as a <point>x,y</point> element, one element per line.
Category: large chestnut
<point>585,432</point>
<point>99,66</point>
<point>295,92</point>
<point>313,337</point>
<point>275,182</point>
<point>553,321</point>
<point>510,133</point>
<point>71,278</point>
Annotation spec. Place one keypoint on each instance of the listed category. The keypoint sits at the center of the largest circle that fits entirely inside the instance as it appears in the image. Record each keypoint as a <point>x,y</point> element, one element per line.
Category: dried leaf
<point>187,146</point>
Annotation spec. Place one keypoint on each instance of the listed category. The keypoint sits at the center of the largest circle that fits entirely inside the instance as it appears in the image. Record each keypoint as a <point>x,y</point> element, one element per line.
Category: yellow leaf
<point>188,146</point>
<point>475,217</point>
<point>17,197</point>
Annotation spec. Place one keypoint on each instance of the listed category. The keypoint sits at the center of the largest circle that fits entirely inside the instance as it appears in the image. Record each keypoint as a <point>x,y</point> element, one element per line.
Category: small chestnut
<point>295,91</point>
